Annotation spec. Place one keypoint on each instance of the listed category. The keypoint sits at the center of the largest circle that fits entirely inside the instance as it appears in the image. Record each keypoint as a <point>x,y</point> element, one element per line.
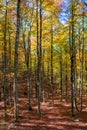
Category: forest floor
<point>52,118</point>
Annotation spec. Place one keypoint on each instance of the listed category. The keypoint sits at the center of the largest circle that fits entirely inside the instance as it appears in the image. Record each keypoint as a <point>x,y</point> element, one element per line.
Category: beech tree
<point>16,62</point>
<point>5,58</point>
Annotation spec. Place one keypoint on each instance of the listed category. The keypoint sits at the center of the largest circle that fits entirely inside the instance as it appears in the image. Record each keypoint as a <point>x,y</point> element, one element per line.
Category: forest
<point>43,64</point>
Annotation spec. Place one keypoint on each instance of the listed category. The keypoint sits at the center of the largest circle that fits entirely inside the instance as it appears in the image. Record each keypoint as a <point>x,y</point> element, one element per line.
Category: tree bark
<point>40,56</point>
<point>16,62</point>
<point>38,61</point>
<point>72,59</point>
<point>5,61</point>
<point>51,64</point>
<point>61,80</point>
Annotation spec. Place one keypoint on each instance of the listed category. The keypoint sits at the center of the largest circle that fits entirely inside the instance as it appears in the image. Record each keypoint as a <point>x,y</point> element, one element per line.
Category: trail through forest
<point>52,118</point>
<point>43,56</point>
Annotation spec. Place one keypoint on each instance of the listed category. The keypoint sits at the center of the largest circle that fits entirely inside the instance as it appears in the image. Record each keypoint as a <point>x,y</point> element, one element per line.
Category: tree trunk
<point>40,55</point>
<point>5,61</point>
<point>29,70</point>
<point>51,64</point>
<point>38,61</point>
<point>16,62</point>
<point>43,74</point>
<point>82,65</point>
<point>10,87</point>
<point>66,80</point>
<point>61,82</point>
<point>72,60</point>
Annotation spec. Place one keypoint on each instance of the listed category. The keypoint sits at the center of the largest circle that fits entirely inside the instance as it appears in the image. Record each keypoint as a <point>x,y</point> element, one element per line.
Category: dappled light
<point>43,65</point>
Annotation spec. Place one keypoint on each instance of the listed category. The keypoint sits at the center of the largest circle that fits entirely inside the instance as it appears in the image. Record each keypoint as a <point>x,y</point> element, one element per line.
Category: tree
<point>38,61</point>
<point>5,59</point>
<point>51,64</point>
<point>16,62</point>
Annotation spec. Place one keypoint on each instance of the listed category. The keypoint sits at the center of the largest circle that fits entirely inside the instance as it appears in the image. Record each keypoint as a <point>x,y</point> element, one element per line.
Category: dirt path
<point>52,118</point>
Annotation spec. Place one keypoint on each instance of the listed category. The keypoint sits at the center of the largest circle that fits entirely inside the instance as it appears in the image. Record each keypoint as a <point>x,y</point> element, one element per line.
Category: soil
<point>52,118</point>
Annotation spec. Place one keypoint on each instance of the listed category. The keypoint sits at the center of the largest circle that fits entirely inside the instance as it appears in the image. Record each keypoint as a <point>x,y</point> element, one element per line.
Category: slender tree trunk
<point>40,56</point>
<point>82,65</point>
<point>43,74</point>
<point>16,62</point>
<point>72,60</point>
<point>51,65</point>
<point>66,80</point>
<point>10,89</point>
<point>61,75</point>
<point>35,66</point>
<point>29,68</point>
<point>38,61</point>
<point>83,45</point>
<point>5,60</point>
<point>71,43</point>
